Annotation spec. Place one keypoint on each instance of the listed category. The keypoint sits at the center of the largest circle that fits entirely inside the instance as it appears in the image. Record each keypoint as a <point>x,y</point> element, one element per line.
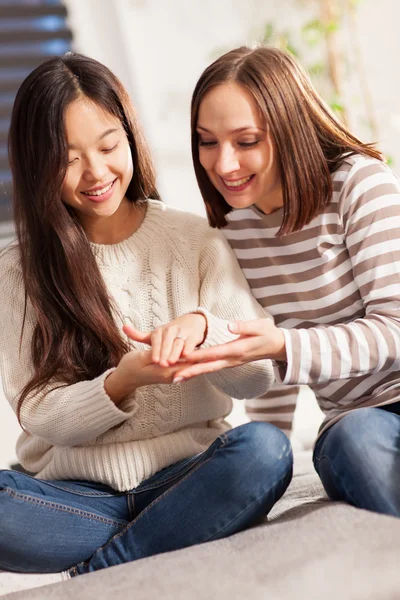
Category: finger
<point>136,335</point>
<point>188,347</point>
<point>201,369</point>
<point>222,351</point>
<point>176,351</point>
<point>247,327</point>
<point>156,342</point>
<point>169,337</point>
<point>156,374</point>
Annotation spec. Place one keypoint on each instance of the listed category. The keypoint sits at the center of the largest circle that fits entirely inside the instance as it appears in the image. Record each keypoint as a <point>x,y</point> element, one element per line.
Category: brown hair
<point>310,141</point>
<point>75,337</point>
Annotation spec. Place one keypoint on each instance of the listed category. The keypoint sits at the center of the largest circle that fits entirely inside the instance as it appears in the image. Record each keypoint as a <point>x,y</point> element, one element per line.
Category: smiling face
<point>100,163</point>
<point>236,150</point>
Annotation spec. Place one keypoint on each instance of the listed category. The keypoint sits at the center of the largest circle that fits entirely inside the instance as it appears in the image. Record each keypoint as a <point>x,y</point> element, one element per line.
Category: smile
<point>101,191</point>
<point>237,185</point>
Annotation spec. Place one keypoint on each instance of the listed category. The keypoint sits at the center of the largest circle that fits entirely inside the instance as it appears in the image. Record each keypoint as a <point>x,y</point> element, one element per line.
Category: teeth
<point>238,182</point>
<point>99,192</point>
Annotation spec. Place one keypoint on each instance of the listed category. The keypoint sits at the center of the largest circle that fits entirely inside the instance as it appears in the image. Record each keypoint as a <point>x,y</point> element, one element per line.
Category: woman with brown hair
<point>313,216</point>
<point>126,462</point>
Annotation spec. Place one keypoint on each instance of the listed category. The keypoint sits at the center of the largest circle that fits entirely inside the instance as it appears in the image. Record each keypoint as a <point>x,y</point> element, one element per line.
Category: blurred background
<point>158,48</point>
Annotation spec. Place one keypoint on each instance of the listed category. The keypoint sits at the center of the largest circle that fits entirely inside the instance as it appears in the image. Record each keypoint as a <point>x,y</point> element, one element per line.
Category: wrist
<point>280,354</point>
<point>116,387</point>
<point>203,326</point>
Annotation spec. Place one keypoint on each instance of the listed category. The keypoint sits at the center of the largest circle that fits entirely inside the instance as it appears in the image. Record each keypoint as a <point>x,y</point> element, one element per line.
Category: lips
<point>100,193</point>
<point>100,189</point>
<point>237,185</point>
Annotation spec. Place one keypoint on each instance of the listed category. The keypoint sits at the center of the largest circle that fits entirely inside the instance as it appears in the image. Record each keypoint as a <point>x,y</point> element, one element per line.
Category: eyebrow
<point>103,135</point>
<point>238,130</point>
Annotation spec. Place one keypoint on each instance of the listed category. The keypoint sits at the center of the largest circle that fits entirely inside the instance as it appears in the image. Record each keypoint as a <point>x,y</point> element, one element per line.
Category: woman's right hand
<point>136,369</point>
<point>257,340</point>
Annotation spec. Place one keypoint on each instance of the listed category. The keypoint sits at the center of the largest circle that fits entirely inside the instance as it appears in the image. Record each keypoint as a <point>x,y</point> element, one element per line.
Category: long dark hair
<point>75,337</point>
<point>310,141</point>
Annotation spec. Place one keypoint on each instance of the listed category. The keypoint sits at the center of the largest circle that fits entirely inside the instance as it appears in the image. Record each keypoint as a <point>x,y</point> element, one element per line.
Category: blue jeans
<point>49,526</point>
<point>358,459</point>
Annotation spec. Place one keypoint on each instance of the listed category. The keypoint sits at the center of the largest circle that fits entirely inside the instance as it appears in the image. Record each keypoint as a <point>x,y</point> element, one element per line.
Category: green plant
<point>317,43</point>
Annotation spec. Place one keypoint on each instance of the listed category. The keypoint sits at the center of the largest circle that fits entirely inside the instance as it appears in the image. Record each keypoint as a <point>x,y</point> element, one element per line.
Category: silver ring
<point>180,337</point>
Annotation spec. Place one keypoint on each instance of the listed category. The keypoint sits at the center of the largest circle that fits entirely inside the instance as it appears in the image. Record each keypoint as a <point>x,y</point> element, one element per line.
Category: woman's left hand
<point>258,340</point>
<point>174,340</point>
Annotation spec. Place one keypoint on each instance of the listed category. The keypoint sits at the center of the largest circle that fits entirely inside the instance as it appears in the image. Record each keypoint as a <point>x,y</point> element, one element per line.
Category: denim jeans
<point>49,526</point>
<point>358,459</point>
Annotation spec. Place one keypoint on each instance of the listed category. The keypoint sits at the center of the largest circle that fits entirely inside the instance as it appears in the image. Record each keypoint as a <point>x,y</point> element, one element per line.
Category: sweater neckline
<point>273,219</point>
<point>137,242</point>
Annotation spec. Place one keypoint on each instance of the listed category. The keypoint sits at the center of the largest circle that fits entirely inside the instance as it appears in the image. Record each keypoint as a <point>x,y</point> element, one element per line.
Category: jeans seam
<point>86,494</point>
<point>73,570</point>
<point>66,488</point>
<point>162,482</point>
<point>187,468</point>
<point>61,508</point>
<point>324,457</point>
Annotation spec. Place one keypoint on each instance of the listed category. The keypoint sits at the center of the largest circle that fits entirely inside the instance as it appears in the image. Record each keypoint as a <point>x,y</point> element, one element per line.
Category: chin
<point>239,202</point>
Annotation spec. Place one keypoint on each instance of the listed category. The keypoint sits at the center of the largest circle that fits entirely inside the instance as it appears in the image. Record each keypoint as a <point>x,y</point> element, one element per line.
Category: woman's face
<point>100,162</point>
<point>236,150</point>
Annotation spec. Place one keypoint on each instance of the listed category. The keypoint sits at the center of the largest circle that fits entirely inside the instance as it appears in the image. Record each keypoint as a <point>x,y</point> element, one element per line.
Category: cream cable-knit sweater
<point>173,264</point>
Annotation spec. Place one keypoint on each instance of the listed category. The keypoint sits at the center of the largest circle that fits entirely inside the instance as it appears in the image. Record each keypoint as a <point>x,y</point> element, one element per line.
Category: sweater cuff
<point>94,413</point>
<point>217,330</point>
<point>245,381</point>
<point>283,369</point>
<point>104,411</point>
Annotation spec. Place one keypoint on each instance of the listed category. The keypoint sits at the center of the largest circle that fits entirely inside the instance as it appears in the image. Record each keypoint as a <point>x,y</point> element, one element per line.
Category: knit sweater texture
<point>172,265</point>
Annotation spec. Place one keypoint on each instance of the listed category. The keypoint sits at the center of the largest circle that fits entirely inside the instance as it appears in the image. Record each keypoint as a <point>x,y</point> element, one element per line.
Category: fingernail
<point>232,327</point>
<point>177,379</point>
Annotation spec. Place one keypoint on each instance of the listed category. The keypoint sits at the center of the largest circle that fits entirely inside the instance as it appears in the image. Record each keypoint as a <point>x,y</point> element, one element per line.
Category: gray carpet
<point>309,548</point>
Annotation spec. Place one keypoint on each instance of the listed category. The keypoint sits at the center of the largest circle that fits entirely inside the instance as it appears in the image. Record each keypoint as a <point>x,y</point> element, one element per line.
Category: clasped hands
<point>174,357</point>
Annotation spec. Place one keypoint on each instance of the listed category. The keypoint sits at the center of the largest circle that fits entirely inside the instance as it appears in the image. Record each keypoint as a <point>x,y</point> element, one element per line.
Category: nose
<point>95,169</point>
<point>227,161</point>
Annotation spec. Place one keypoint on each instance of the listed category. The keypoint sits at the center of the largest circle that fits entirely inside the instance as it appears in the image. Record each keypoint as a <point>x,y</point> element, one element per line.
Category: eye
<point>108,150</point>
<point>71,162</point>
<point>248,144</point>
<point>207,144</point>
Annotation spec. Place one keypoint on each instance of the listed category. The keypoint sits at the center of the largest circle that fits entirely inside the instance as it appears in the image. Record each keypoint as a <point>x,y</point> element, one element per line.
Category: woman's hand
<point>136,369</point>
<point>258,339</point>
<point>174,340</point>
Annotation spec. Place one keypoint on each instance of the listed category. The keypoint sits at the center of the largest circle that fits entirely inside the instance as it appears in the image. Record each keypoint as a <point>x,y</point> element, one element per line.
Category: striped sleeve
<point>370,211</point>
<point>277,407</point>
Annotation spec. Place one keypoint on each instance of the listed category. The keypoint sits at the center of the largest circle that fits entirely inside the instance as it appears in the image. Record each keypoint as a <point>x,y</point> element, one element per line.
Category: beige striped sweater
<point>334,289</point>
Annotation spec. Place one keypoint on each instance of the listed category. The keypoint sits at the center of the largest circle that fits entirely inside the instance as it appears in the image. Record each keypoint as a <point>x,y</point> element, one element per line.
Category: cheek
<point>259,162</point>
<point>126,163</point>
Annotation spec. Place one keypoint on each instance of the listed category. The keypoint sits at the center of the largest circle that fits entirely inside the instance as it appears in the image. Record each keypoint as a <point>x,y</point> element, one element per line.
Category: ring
<point>180,337</point>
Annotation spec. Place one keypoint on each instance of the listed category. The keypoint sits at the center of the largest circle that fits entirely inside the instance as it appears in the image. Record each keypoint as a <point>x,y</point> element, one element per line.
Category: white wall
<point>9,431</point>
